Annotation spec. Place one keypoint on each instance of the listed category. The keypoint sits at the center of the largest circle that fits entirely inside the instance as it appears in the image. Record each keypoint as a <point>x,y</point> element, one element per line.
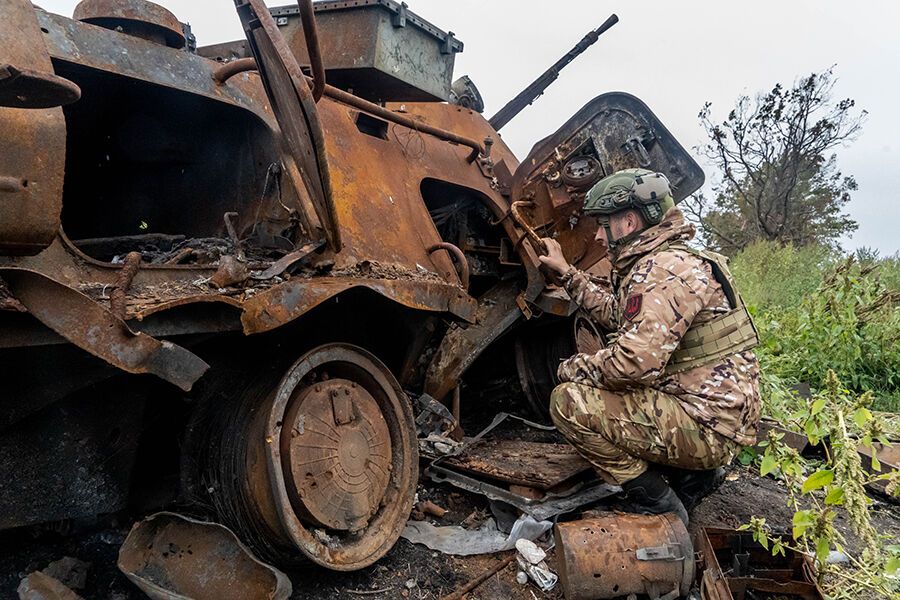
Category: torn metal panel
<point>98,331</point>
<point>172,557</point>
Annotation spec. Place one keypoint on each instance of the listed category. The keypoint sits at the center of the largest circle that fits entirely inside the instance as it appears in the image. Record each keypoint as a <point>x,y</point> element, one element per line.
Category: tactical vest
<point>727,333</point>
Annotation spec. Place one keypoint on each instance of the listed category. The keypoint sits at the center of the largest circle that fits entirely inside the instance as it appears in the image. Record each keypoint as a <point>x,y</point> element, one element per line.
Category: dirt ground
<point>408,571</point>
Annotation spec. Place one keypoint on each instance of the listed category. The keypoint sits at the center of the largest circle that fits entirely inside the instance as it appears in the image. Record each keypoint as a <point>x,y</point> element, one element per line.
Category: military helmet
<point>645,191</point>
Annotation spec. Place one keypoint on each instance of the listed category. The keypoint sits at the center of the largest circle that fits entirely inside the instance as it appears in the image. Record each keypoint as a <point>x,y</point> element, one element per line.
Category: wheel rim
<point>343,510</point>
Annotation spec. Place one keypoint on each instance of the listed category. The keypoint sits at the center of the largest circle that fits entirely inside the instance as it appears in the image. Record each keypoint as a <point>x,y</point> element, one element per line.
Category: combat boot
<point>649,494</point>
<point>693,486</point>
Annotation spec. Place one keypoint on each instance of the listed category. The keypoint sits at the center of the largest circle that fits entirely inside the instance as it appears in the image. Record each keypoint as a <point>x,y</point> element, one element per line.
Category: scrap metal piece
<point>118,297</point>
<point>98,331</point>
<point>285,262</point>
<point>497,312</point>
<point>617,554</point>
<point>39,586</point>
<point>541,509</point>
<point>172,557</point>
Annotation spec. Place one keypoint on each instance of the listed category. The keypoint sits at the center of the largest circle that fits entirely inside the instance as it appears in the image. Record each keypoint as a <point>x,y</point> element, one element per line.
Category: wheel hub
<point>337,448</point>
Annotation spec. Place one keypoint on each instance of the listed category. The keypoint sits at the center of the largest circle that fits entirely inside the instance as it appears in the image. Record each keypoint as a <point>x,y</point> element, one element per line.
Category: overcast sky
<point>673,55</point>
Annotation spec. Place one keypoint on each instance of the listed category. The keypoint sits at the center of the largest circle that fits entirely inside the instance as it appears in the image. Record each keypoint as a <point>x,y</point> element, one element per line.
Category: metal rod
<point>458,594</point>
<point>226,71</point>
<point>449,136</point>
<point>456,406</point>
<point>230,69</point>
<point>311,33</point>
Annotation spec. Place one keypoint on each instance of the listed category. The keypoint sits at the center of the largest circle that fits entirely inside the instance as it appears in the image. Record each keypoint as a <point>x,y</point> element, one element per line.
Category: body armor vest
<point>727,333</point>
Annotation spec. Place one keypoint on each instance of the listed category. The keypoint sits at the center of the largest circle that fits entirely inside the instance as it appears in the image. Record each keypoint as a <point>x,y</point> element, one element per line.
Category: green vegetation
<point>820,490</point>
<point>817,312</point>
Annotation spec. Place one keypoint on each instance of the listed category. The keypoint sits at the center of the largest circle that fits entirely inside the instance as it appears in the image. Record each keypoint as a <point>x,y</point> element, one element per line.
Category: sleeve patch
<point>633,306</point>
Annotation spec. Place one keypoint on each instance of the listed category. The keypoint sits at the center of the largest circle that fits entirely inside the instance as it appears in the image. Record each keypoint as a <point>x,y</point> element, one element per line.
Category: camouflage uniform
<point>619,407</point>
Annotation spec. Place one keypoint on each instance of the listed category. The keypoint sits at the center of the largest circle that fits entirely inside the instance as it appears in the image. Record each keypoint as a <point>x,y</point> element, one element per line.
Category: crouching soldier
<point>675,393</point>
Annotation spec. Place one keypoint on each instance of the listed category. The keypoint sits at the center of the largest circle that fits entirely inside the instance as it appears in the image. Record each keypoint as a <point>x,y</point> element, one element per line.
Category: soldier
<point>675,393</point>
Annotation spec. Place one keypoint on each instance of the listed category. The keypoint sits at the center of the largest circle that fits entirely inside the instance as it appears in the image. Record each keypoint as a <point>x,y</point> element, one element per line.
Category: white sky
<point>674,56</point>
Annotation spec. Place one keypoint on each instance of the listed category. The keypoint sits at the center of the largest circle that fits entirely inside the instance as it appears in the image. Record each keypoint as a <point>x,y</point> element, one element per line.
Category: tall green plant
<point>818,492</point>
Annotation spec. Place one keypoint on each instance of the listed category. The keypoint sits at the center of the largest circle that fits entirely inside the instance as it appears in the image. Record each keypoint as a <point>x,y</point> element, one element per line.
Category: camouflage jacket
<point>654,297</point>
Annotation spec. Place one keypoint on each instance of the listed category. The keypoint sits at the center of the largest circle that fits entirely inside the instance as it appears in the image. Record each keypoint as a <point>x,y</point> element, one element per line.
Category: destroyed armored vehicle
<point>227,273</point>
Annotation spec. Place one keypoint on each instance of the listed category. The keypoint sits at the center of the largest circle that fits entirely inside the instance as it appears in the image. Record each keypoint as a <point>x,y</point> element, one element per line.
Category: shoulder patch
<point>633,306</point>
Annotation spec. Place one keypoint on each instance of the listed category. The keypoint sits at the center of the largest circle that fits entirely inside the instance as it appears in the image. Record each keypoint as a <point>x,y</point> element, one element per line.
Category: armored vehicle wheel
<point>326,464</point>
<point>539,352</point>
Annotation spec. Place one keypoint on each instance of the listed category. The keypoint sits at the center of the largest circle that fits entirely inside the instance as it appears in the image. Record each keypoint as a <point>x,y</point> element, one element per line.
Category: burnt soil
<point>408,571</point>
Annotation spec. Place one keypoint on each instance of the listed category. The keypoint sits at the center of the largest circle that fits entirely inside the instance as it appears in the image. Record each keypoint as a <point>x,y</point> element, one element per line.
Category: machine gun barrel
<point>537,87</point>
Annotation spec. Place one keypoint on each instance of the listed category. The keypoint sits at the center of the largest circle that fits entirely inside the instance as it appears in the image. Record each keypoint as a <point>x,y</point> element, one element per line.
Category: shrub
<point>817,313</point>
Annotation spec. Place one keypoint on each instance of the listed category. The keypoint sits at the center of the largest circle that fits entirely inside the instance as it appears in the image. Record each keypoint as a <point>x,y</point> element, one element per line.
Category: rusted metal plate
<point>532,464</point>
<point>96,330</point>
<point>172,557</point>
<point>616,554</point>
<point>295,109</point>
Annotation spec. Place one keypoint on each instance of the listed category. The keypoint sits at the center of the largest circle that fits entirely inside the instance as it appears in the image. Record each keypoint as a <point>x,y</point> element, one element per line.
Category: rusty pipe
<point>118,297</point>
<point>311,33</point>
<point>521,222</point>
<point>226,71</point>
<point>462,263</point>
<point>229,69</point>
<point>449,136</point>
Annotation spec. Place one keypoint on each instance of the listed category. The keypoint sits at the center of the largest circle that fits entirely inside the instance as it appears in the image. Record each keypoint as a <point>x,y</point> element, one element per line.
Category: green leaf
<point>818,480</point>
<point>862,416</point>
<point>818,406</point>
<point>803,520</point>
<point>823,546</point>
<point>835,496</point>
<point>893,566</point>
<point>768,465</point>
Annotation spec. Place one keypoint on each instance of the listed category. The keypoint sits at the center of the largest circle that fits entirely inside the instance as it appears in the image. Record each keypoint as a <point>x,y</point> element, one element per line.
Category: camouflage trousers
<point>621,432</point>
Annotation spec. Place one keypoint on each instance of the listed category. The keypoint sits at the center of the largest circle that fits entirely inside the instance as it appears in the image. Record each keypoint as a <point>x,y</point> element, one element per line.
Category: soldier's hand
<point>554,261</point>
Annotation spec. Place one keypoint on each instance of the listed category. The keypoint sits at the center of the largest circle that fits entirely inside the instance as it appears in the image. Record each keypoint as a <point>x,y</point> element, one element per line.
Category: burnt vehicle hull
<point>219,284</point>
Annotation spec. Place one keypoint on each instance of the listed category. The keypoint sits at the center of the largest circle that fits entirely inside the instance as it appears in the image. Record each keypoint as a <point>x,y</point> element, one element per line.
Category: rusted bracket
<point>98,331</point>
<point>461,262</point>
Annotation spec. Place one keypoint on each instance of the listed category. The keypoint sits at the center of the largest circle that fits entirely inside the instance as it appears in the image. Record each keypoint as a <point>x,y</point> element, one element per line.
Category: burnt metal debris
<point>228,268</point>
<point>173,557</point>
<point>732,566</point>
<point>613,555</point>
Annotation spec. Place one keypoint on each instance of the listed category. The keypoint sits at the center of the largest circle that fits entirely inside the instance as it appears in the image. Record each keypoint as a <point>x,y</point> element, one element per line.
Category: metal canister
<point>617,554</point>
